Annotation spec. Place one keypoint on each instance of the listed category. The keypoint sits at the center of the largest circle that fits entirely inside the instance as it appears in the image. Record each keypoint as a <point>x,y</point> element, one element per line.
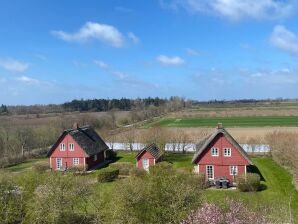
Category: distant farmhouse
<point>220,156</point>
<point>148,156</point>
<point>77,147</point>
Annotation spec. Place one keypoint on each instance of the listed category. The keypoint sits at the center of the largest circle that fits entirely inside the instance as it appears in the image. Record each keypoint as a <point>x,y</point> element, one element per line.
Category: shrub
<point>161,167</point>
<point>135,172</point>
<point>248,182</point>
<point>110,154</point>
<point>107,174</point>
<point>77,169</point>
<point>124,167</point>
<point>40,167</point>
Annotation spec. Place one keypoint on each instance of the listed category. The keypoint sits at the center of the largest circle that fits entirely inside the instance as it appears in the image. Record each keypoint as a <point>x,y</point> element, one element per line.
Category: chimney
<point>75,125</point>
<point>219,126</point>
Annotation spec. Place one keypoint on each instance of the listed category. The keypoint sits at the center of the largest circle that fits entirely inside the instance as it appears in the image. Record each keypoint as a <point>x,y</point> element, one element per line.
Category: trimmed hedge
<point>248,182</point>
<point>135,172</point>
<point>124,167</point>
<point>107,174</point>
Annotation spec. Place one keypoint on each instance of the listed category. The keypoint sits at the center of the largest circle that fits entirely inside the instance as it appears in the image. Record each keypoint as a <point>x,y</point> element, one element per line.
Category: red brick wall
<point>145,155</point>
<point>221,163</point>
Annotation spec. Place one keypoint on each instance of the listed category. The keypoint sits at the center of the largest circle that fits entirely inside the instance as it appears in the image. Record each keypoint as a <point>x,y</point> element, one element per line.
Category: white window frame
<point>76,161</point>
<point>212,152</point>
<point>233,169</point>
<point>147,162</point>
<point>62,147</point>
<point>229,152</point>
<point>71,146</point>
<point>60,163</point>
<point>211,178</point>
<point>95,158</point>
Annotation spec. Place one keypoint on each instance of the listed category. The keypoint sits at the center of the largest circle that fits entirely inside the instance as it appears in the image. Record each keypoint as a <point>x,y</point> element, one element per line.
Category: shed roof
<point>202,145</point>
<point>153,150</point>
<point>86,137</point>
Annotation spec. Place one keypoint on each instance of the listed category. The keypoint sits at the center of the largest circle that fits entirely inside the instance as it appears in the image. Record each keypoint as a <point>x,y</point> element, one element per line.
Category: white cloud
<point>101,64</point>
<point>284,39</point>
<point>27,80</point>
<point>191,52</point>
<point>169,61</point>
<point>102,32</point>
<point>133,37</point>
<point>237,9</point>
<point>13,65</point>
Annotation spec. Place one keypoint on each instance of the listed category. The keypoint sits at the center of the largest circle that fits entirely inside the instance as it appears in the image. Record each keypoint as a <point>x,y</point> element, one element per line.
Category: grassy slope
<point>255,121</point>
<point>25,165</point>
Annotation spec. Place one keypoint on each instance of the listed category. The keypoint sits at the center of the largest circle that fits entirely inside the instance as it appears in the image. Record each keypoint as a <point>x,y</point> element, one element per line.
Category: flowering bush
<point>235,213</point>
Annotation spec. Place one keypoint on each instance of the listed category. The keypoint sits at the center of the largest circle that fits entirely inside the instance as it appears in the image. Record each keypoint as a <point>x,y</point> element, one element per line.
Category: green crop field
<point>255,121</point>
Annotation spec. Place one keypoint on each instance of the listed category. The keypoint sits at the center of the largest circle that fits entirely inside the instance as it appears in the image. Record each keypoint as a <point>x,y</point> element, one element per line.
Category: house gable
<point>67,139</point>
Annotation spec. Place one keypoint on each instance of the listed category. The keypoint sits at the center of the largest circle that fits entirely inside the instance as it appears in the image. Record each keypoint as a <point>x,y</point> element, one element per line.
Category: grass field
<point>255,121</point>
<point>25,165</point>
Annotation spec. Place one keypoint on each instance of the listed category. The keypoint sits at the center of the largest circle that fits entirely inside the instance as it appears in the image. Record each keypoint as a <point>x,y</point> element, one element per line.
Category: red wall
<point>90,160</point>
<point>145,155</point>
<point>221,163</point>
<point>67,156</point>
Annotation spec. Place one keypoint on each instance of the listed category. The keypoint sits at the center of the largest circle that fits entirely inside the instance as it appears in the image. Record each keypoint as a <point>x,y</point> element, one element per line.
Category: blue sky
<point>55,51</point>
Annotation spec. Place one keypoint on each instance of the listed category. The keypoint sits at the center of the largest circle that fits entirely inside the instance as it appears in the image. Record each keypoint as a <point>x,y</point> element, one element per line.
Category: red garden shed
<point>148,156</point>
<point>80,146</point>
<point>219,155</point>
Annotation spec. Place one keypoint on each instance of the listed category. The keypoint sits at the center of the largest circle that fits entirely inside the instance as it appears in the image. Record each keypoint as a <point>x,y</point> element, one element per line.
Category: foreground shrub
<point>77,170</point>
<point>135,172</point>
<point>111,154</point>
<point>235,212</point>
<point>107,174</point>
<point>248,182</point>
<point>40,167</point>
<point>124,167</point>
<point>164,196</point>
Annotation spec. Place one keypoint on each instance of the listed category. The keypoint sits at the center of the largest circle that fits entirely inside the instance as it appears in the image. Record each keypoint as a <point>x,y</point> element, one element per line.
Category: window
<point>214,151</point>
<point>71,147</point>
<point>145,164</point>
<point>227,151</point>
<point>62,147</point>
<point>210,172</point>
<point>76,161</point>
<point>233,170</point>
<point>95,157</point>
<point>58,163</point>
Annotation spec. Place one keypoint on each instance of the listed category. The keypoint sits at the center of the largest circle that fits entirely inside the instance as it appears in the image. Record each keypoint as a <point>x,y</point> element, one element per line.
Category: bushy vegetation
<point>248,182</point>
<point>41,166</point>
<point>233,212</point>
<point>123,167</point>
<point>107,174</point>
<point>135,172</point>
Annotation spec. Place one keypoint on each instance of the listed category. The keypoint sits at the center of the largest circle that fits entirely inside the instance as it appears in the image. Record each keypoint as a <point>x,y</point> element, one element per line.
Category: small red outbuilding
<point>148,156</point>
<point>80,146</point>
<point>219,155</point>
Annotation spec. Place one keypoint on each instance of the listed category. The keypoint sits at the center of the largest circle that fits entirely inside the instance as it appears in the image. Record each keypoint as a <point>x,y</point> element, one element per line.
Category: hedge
<point>248,182</point>
<point>124,167</point>
<point>135,172</point>
<point>40,167</point>
<point>107,174</point>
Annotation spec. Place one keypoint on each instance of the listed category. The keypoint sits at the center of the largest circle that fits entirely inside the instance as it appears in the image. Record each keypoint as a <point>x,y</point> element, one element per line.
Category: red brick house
<point>148,156</point>
<point>80,146</point>
<point>219,155</point>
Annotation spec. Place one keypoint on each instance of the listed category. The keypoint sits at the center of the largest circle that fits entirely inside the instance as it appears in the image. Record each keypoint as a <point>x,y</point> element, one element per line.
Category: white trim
<point>50,162</point>
<point>245,169</point>
<point>217,149</point>
<point>84,162</point>
<point>71,148</point>
<point>235,168</point>
<point>212,172</point>
<point>154,161</point>
<point>57,164</point>
<point>62,148</point>
<point>198,168</point>
<point>76,161</point>
<point>228,155</point>
<point>95,158</point>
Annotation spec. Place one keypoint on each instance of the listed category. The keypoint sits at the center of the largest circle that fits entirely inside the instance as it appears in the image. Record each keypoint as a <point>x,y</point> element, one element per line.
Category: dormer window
<point>62,147</point>
<point>214,151</point>
<point>227,152</point>
<point>71,147</point>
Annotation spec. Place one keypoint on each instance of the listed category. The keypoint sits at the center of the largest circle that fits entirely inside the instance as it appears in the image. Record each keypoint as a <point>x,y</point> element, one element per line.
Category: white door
<point>210,172</point>
<point>58,163</point>
<point>146,164</point>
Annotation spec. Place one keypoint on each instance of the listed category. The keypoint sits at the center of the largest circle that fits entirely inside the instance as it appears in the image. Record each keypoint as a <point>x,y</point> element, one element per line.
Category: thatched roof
<point>153,150</point>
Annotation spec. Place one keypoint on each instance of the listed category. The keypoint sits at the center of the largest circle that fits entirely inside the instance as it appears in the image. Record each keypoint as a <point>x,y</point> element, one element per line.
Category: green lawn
<point>255,121</point>
<point>25,165</point>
